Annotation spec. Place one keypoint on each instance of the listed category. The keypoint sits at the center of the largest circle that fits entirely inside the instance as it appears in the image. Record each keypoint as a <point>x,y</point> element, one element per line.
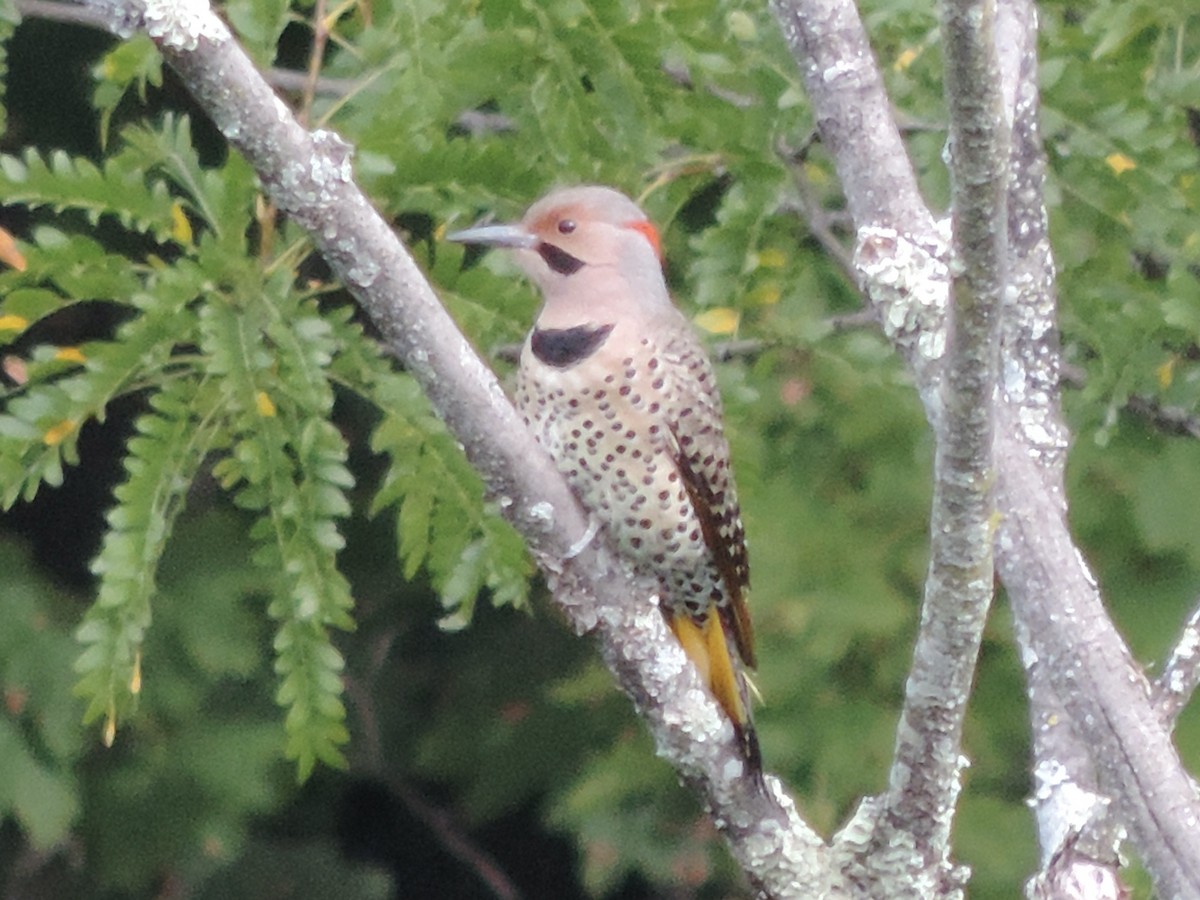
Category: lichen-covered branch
<point>309,176</point>
<point>1101,716</point>
<point>924,780</point>
<point>1181,674</point>
<point>1103,757</point>
<point>1101,689</point>
<point>853,114</point>
<point>1106,746</point>
<point>901,843</point>
<point>1076,830</point>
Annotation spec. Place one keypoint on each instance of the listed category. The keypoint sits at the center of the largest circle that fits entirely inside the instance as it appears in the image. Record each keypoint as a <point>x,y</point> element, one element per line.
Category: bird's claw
<point>588,536</point>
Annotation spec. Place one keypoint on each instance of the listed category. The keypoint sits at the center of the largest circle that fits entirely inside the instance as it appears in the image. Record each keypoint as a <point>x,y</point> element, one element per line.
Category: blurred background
<point>488,752</point>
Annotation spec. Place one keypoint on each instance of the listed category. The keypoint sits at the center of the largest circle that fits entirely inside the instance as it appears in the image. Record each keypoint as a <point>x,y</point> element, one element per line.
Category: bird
<point>617,386</point>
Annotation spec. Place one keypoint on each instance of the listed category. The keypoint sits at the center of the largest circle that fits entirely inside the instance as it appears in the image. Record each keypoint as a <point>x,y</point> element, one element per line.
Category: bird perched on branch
<point>616,385</point>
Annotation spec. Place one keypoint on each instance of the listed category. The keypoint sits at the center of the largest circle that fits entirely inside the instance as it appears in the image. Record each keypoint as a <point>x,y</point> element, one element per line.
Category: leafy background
<point>222,494</point>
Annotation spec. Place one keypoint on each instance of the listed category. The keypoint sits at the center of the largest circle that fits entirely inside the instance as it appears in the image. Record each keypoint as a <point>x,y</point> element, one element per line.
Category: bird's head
<point>582,241</point>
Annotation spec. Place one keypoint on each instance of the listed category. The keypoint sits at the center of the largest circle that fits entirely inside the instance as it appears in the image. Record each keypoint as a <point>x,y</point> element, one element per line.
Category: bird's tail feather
<point>708,647</point>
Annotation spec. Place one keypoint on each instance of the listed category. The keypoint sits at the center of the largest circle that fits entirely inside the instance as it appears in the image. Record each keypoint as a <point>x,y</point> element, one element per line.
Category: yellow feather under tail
<point>708,648</point>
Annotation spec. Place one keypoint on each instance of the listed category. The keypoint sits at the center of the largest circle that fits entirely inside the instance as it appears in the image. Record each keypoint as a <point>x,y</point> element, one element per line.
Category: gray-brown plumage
<point>616,385</point>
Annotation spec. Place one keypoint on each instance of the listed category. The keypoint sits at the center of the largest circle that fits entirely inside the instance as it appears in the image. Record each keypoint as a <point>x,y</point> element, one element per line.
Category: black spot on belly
<point>564,347</point>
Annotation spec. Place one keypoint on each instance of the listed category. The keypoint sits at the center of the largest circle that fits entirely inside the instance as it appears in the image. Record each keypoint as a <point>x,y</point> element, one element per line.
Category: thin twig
<point>1168,419</point>
<point>817,218</point>
<point>316,58</point>
<point>293,82</point>
<point>87,17</point>
<point>454,838</point>
<point>441,823</point>
<point>66,13</point>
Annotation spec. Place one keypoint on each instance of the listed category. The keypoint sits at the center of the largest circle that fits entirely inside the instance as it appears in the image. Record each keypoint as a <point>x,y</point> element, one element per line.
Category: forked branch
<point>309,176</point>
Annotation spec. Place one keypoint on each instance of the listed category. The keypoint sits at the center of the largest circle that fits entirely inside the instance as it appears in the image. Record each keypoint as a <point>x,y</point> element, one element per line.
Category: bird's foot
<point>588,536</point>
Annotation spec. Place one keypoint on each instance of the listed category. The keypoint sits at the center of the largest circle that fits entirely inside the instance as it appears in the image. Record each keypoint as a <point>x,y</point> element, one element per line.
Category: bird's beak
<point>513,236</point>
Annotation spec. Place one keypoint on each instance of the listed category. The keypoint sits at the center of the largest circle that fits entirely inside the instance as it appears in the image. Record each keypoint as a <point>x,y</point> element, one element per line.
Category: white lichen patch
<point>732,769</point>
<point>1063,807</point>
<point>1187,649</point>
<point>1041,432</point>
<point>181,24</point>
<point>909,283</point>
<point>309,185</point>
<point>331,164</point>
<point>692,730</point>
<point>841,69</point>
<point>363,272</point>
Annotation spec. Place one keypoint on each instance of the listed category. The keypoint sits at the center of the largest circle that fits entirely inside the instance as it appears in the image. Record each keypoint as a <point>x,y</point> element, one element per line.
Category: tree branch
<point>1084,670</point>
<point>309,177</point>
<point>67,13</point>
<point>853,113</point>
<point>1106,740</point>
<point>1181,674</point>
<point>89,17</point>
<point>1075,831</point>
<point>1104,693</point>
<point>900,252</point>
<point>903,841</point>
<point>1095,729</point>
<point>1078,837</point>
<point>924,781</point>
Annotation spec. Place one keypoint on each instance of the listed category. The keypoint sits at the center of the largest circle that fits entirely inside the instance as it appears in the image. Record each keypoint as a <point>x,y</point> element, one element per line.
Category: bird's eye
<point>566,226</point>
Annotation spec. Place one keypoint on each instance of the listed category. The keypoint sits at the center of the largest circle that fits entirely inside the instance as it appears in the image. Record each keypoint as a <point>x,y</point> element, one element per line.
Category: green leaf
<point>442,521</point>
<point>61,182</point>
<point>1118,24</point>
<point>162,460</point>
<point>40,423</point>
<point>30,304</point>
<point>133,63</point>
<point>258,24</point>
<point>288,463</point>
<point>44,802</point>
<point>221,197</point>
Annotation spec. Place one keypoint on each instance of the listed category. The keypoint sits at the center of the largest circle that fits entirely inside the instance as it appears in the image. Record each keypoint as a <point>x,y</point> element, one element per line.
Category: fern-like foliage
<point>238,364</point>
<point>161,461</point>
<point>440,522</point>
<point>39,428</point>
<point>64,182</point>
<point>287,464</point>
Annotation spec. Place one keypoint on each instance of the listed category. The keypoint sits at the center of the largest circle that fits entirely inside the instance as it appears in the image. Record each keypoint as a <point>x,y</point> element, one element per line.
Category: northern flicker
<point>616,385</point>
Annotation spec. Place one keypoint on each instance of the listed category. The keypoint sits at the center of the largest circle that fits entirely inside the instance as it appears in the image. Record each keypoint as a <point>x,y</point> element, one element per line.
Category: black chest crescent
<point>564,347</point>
